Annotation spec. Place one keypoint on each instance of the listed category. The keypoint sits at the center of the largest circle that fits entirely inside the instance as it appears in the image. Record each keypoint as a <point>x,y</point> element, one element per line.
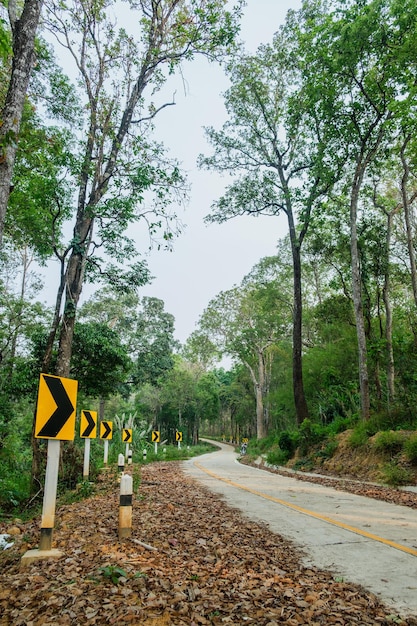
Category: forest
<point>321,129</point>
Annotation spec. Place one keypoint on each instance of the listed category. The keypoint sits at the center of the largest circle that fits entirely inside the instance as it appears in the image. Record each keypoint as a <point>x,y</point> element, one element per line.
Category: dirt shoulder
<point>203,563</point>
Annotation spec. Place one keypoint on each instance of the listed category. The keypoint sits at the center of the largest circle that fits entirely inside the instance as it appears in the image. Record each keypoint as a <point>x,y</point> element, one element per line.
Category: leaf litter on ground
<point>191,561</point>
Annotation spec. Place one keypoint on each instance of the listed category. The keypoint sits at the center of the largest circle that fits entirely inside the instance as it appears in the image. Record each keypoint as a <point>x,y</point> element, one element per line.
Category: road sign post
<point>106,433</point>
<point>55,421</point>
<point>49,496</point>
<point>88,431</point>
<point>106,452</point>
<point>178,438</point>
<point>125,508</point>
<point>86,466</point>
<point>156,438</point>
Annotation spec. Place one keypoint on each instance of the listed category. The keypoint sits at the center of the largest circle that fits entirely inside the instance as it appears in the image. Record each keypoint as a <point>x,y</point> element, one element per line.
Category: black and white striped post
<point>125,507</point>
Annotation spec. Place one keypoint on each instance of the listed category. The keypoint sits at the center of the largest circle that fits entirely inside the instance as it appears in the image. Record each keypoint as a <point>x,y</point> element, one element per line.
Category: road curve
<point>359,539</point>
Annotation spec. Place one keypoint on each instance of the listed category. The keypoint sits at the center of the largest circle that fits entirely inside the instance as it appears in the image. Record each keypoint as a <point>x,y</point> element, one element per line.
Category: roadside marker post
<point>156,438</point>
<point>86,466</point>
<point>106,452</point>
<point>144,454</point>
<point>125,506</point>
<point>178,438</point>
<point>106,433</point>
<point>127,439</point>
<point>121,462</point>
<point>55,421</point>
<point>88,431</point>
<point>129,457</point>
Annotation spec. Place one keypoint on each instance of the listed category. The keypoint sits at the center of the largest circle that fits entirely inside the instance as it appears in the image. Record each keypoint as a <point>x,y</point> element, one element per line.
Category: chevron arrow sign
<point>127,435</point>
<point>55,411</point>
<point>106,430</point>
<point>88,425</point>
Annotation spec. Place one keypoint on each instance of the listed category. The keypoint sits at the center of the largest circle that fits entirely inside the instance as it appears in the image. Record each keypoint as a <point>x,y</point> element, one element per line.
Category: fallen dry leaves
<point>210,566</point>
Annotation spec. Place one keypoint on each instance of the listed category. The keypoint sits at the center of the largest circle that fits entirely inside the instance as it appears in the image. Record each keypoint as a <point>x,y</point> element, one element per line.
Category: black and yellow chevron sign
<point>127,435</point>
<point>55,411</point>
<point>106,430</point>
<point>88,424</point>
<point>178,435</point>
<point>156,437</point>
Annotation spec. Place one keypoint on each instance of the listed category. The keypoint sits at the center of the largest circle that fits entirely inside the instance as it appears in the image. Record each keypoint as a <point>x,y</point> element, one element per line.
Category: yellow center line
<point>318,516</point>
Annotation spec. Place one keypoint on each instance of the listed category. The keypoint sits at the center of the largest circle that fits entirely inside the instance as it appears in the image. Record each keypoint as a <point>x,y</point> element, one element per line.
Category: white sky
<point>206,259</point>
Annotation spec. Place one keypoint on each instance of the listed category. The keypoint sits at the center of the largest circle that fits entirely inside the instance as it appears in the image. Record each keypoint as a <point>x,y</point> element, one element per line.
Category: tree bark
<point>388,314</point>
<point>23,34</point>
<point>407,219</point>
<point>297,369</point>
<point>357,295</point>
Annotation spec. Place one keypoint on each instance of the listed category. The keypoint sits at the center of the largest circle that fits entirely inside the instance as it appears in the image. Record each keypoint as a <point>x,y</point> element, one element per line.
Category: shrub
<point>329,449</point>
<point>288,442</point>
<point>410,449</point>
<point>389,441</point>
<point>358,437</point>
<point>310,435</point>
<point>395,475</point>
<point>277,457</point>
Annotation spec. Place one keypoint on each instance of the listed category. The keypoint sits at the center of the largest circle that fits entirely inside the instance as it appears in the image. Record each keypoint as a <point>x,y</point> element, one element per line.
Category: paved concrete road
<point>362,540</point>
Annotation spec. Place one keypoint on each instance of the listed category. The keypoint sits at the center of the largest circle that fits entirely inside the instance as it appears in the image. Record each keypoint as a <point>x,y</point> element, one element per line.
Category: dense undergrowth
<point>17,497</point>
<point>391,452</point>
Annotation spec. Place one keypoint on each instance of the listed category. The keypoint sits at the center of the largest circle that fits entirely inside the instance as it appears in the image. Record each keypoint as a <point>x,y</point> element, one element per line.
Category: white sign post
<point>86,467</point>
<point>49,496</point>
<point>106,451</point>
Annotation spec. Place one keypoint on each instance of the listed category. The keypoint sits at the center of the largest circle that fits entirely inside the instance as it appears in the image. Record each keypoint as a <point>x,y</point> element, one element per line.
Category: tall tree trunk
<point>297,369</point>
<point>407,219</point>
<point>23,32</point>
<point>357,295</point>
<point>388,313</point>
<point>258,384</point>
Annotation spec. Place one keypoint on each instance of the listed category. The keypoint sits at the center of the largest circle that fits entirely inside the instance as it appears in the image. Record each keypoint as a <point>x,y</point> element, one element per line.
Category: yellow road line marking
<point>318,516</point>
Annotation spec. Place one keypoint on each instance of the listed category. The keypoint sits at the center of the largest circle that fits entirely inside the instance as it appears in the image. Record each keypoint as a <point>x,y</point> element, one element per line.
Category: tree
<point>24,25</point>
<point>278,157</point>
<point>246,323</point>
<point>120,168</point>
<point>153,342</point>
<point>145,329</point>
<point>354,90</point>
<point>100,362</point>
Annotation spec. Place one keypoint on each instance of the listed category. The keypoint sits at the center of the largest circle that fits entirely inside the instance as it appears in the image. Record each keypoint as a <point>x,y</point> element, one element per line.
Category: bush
<point>389,442</point>
<point>329,449</point>
<point>395,475</point>
<point>288,442</point>
<point>310,434</point>
<point>359,437</point>
<point>277,457</point>
<point>410,449</point>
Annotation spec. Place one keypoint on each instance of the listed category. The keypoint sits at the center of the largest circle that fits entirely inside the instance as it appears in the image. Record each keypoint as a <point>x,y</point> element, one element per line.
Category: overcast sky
<point>207,259</point>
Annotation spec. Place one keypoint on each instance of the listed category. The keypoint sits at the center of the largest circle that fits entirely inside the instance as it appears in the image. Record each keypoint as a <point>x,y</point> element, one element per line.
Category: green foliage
<point>113,573</point>
<point>358,437</point>
<point>288,442</point>
<point>99,360</point>
<point>83,490</point>
<point>395,475</point>
<point>390,442</point>
<point>410,449</point>
<point>310,434</point>
<point>277,456</point>
<point>328,450</point>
